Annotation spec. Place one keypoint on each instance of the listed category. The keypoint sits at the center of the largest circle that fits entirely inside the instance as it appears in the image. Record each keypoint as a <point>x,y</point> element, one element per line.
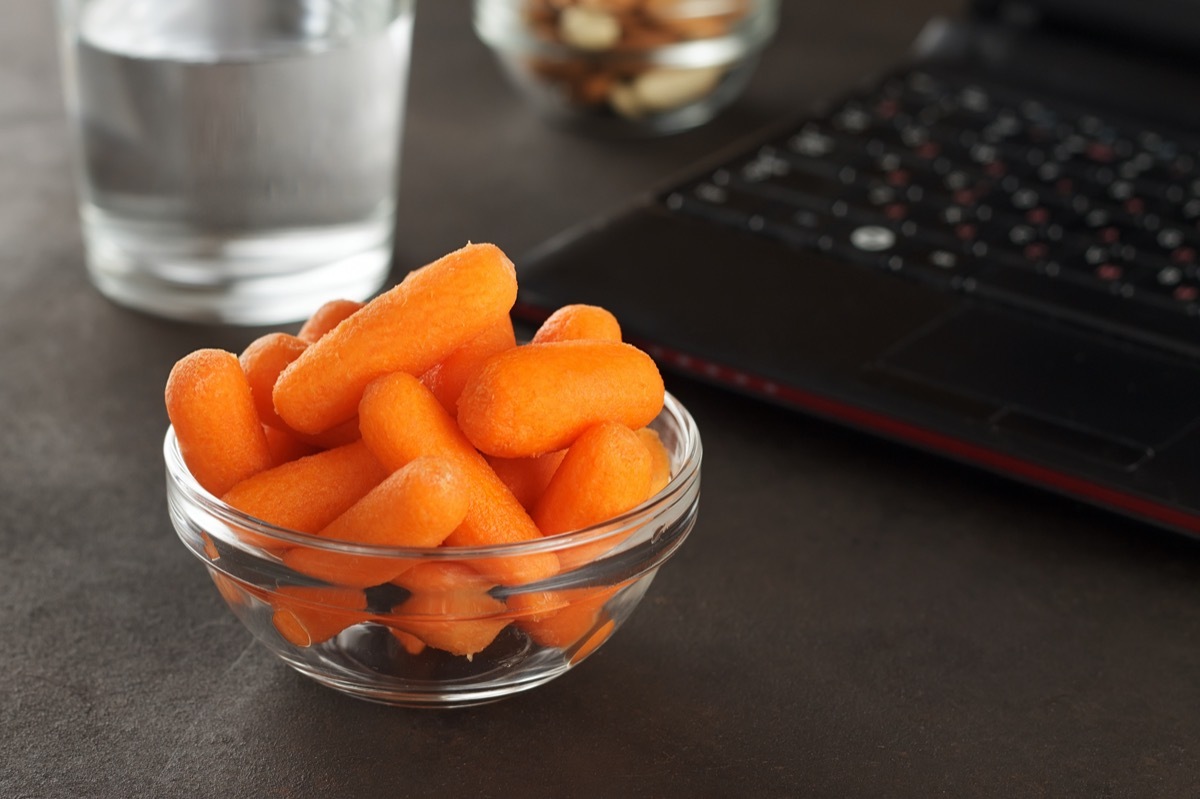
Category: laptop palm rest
<point>1046,383</point>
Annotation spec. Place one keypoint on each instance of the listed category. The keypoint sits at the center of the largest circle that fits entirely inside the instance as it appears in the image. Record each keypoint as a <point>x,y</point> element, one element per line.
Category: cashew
<point>624,101</point>
<point>589,28</point>
<point>666,88</point>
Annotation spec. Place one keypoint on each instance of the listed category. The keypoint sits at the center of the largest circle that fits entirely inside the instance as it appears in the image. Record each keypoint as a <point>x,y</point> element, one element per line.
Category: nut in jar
<point>650,65</point>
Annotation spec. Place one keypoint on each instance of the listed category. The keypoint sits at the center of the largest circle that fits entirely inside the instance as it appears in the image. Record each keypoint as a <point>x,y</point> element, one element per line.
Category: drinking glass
<point>237,160</point>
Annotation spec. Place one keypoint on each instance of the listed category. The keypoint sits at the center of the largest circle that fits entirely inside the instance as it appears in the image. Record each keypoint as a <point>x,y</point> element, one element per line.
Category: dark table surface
<point>849,618</point>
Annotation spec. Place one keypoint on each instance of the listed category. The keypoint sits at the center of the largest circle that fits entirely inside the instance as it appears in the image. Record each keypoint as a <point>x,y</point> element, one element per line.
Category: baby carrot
<point>527,478</point>
<point>309,493</point>
<point>660,461</point>
<point>605,473</point>
<point>210,405</point>
<point>401,421</point>
<point>571,623</point>
<point>416,506</point>
<point>411,643</point>
<point>431,313</point>
<point>447,378</point>
<point>444,578</point>
<point>579,323</point>
<point>336,436</point>
<point>308,615</point>
<point>234,592</point>
<point>262,361</point>
<point>450,608</point>
<point>539,398</point>
<point>326,318</point>
<point>593,641</point>
<point>210,547</point>
<point>285,446</point>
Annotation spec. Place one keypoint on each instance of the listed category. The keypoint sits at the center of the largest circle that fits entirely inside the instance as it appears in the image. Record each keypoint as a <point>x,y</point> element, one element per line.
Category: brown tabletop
<point>849,618</point>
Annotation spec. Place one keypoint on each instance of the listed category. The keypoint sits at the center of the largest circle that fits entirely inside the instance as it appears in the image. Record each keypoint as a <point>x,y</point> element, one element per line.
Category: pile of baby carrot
<point>415,420</point>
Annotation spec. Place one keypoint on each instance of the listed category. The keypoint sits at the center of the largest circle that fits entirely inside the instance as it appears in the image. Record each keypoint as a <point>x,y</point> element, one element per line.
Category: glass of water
<point>237,159</point>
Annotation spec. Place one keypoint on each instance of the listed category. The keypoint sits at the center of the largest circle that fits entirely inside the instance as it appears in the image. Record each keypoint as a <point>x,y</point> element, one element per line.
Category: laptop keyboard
<point>979,189</point>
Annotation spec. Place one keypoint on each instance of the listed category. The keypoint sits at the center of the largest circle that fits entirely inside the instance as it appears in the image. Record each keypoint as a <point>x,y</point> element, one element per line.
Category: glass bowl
<point>628,67</point>
<point>438,634</point>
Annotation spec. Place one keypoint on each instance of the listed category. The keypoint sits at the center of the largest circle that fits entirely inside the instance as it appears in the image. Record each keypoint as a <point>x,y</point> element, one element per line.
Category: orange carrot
<point>527,478</point>
<point>579,323</point>
<point>210,405</point>
<point>605,473</point>
<point>227,588</point>
<point>309,493</point>
<point>401,421</point>
<point>593,642</point>
<point>536,605</point>
<point>450,608</point>
<point>433,312</point>
<point>444,577</point>
<point>660,461</point>
<point>336,436</point>
<point>234,592</point>
<point>411,643</point>
<point>285,446</point>
<point>326,318</point>
<point>416,506</point>
<point>344,569</point>
<point>210,547</point>
<point>307,615</point>
<point>447,378</point>
<point>539,398</point>
<point>262,362</point>
<point>566,626</point>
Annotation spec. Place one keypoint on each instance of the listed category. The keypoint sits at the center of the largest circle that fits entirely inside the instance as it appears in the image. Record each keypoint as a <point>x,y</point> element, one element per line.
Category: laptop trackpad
<point>1049,383</point>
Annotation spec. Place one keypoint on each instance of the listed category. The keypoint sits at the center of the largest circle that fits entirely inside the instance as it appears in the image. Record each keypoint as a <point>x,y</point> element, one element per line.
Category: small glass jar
<point>628,66</point>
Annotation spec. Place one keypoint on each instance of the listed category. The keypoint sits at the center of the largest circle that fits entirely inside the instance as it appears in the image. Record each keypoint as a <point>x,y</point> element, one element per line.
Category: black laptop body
<point>989,253</point>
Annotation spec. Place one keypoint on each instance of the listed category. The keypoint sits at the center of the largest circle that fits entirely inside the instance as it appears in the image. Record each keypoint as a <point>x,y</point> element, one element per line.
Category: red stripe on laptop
<point>931,440</point>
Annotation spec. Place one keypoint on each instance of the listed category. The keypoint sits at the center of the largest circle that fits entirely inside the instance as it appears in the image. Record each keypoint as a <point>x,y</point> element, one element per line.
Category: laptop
<point>990,253</point>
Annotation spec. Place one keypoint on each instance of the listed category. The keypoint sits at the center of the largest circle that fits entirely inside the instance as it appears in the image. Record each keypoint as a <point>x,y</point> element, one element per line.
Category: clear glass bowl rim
<point>677,490</point>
